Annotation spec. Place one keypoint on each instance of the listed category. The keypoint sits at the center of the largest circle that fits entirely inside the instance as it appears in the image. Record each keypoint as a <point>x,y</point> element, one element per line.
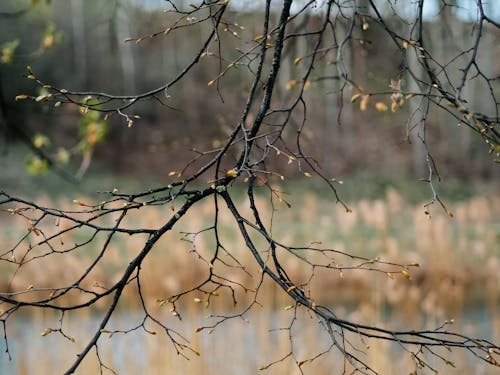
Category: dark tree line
<point>86,45</point>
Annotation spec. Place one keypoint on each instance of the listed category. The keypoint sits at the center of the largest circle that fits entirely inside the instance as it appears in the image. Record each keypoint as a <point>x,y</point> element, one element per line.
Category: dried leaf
<point>381,107</point>
<point>291,84</point>
<point>355,97</point>
<point>363,104</point>
<point>46,331</point>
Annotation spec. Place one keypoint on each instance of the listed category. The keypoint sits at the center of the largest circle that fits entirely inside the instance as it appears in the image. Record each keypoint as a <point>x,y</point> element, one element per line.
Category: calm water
<point>236,347</point>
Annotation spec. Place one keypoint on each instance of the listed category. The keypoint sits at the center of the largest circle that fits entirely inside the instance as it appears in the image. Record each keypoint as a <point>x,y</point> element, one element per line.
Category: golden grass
<point>458,257</point>
<point>459,268</point>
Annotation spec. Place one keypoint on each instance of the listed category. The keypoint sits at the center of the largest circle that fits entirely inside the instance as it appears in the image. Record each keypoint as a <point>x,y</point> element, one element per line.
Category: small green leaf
<point>36,165</point>
<point>7,51</point>
<point>40,141</point>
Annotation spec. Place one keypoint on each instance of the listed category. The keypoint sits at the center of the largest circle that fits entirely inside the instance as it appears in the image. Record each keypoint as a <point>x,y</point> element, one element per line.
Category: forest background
<point>81,46</point>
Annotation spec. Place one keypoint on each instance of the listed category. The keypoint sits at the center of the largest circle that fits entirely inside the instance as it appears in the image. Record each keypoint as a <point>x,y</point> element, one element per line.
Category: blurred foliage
<point>8,49</point>
<point>86,50</point>
<point>36,165</point>
<point>40,140</point>
<point>92,130</point>
<point>51,37</point>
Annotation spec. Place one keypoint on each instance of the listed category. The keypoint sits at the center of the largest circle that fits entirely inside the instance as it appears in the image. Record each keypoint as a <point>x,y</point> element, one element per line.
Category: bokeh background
<point>80,45</point>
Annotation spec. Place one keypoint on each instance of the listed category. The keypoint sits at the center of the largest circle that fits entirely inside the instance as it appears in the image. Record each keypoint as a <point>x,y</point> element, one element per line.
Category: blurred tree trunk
<point>416,125</point>
<point>338,135</point>
<point>126,55</point>
<point>444,51</point>
<point>79,43</point>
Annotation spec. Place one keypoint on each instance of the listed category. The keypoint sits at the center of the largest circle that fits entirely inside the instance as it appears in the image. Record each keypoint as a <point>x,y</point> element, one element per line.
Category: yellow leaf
<point>381,107</point>
<point>48,41</point>
<point>291,84</point>
<point>62,156</point>
<point>394,106</point>
<point>46,331</point>
<point>40,140</point>
<point>363,104</point>
<point>297,60</point>
<point>22,97</point>
<point>43,98</point>
<point>355,97</point>
<point>232,173</point>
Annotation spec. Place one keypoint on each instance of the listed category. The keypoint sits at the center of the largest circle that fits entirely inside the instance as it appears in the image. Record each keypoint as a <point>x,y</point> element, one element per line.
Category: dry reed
<point>459,268</point>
